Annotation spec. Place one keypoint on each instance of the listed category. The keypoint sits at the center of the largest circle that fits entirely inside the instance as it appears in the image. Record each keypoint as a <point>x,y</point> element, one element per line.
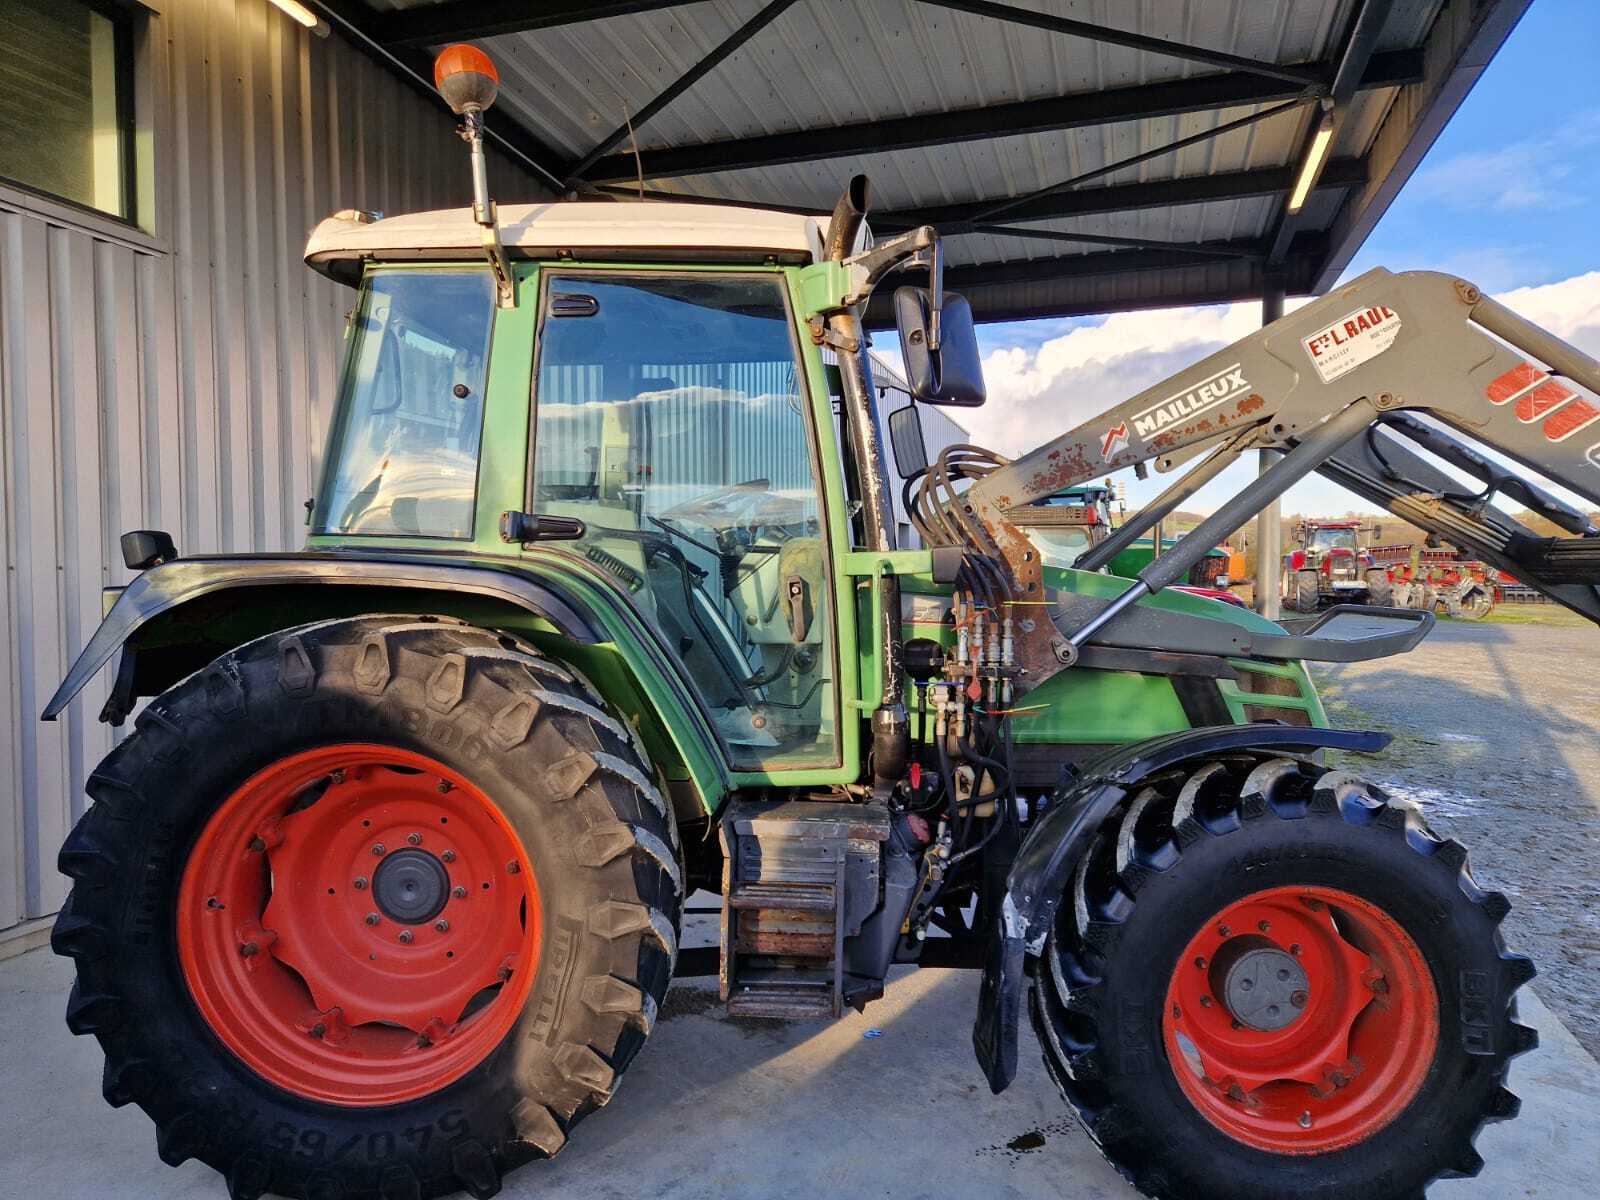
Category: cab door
<point>671,418</point>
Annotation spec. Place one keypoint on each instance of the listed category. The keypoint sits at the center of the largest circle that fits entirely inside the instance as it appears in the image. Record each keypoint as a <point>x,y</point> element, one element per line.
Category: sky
<point>1505,197</point>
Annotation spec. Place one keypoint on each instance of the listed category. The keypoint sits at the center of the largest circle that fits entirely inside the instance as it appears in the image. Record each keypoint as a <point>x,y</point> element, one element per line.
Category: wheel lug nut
<point>257,845</point>
<point>1294,949</point>
<point>414,838</point>
<point>359,883</point>
<point>1200,962</point>
<point>1205,1001</point>
<point>448,856</point>
<point>318,1030</point>
<point>373,918</point>
<point>249,950</point>
<point>460,893</point>
<point>1263,926</point>
<point>405,936</point>
<point>444,786</point>
<point>1225,931</point>
<point>337,775</point>
<point>1298,999</point>
<point>442,926</point>
<point>1305,1120</point>
<point>512,868</point>
<point>378,849</point>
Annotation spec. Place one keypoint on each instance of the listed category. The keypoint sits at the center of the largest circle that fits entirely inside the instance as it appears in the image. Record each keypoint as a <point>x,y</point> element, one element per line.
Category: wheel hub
<point>411,886</point>
<point>359,924</point>
<point>1301,1019</point>
<point>1265,989</point>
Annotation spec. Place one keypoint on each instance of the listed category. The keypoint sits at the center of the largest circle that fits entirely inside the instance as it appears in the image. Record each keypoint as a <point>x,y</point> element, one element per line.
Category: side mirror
<point>905,438</point>
<point>953,373</point>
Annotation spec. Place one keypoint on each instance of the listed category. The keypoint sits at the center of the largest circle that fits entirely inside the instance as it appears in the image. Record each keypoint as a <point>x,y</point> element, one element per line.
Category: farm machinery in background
<point>1069,523</point>
<point>1425,577</point>
<point>1331,566</point>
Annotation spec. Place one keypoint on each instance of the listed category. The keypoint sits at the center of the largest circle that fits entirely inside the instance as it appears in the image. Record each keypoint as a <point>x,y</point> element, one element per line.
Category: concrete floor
<point>1497,739</point>
<point>715,1109</point>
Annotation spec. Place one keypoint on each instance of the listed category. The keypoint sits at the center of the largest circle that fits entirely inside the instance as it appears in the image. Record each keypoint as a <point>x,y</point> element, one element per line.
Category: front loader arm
<point>1315,385</point>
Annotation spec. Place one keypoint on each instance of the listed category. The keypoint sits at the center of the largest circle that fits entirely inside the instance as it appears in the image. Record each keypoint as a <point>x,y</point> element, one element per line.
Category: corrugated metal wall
<point>179,380</point>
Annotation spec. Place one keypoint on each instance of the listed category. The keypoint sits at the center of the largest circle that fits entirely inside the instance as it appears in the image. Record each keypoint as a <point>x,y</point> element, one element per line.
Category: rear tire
<point>1199,842</point>
<point>600,911</point>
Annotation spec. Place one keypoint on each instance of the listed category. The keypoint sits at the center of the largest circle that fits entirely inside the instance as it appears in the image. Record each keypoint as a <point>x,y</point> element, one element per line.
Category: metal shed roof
<point>1080,155</point>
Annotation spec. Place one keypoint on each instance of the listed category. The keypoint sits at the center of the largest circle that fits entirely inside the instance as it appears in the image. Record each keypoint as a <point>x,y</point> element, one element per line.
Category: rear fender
<point>175,617</point>
<point>1058,840</point>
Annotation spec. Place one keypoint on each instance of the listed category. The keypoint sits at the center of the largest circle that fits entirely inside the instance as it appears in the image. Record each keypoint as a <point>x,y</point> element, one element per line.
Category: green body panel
<point>640,677</point>
<point>1098,707</point>
<point>1084,707</point>
<point>1139,555</point>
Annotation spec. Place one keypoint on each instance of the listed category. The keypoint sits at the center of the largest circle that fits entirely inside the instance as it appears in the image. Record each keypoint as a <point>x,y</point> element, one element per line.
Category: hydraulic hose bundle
<point>964,700</point>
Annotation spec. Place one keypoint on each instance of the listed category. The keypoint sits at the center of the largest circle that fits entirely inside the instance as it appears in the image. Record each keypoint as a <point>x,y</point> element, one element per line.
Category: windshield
<point>1333,539</point>
<point>403,459</point>
<point>670,420</point>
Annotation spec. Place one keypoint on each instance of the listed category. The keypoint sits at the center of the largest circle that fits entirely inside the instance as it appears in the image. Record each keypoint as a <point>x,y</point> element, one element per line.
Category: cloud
<point>1532,174</point>
<point>1062,382</point>
<point>1039,391</point>
<point>1569,309</point>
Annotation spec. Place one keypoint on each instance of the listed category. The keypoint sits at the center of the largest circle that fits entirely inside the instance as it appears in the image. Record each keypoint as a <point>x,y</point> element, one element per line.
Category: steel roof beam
<point>1304,75</point>
<point>1359,46</point>
<point>1194,249</point>
<point>682,84</point>
<point>460,20</point>
<point>1125,268</point>
<point>1079,266</point>
<point>1144,156</point>
<point>1128,197</point>
<point>1074,111</point>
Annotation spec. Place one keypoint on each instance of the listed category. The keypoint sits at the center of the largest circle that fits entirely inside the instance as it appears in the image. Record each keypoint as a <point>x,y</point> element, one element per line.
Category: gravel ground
<point>1497,738</point>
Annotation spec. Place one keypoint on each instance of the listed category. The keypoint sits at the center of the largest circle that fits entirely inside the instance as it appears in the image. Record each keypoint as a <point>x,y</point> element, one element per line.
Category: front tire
<point>1307,591</point>
<point>1389,949</point>
<point>373,908</point>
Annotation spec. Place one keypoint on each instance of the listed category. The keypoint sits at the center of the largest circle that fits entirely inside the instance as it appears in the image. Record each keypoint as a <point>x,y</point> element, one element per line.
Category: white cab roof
<point>582,229</point>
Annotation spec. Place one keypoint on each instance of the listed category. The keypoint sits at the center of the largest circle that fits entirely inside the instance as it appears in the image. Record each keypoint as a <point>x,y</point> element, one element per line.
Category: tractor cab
<point>670,437</point>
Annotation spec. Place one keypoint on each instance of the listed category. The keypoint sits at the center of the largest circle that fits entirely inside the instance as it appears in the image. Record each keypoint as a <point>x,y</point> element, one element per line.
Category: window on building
<point>66,110</point>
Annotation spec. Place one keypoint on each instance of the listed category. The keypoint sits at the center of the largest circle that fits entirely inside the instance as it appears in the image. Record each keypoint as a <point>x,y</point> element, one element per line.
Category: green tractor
<point>600,604</point>
<point>1067,524</point>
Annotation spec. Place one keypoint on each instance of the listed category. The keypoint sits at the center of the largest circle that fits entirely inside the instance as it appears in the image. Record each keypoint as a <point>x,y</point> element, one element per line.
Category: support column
<point>1269,528</point>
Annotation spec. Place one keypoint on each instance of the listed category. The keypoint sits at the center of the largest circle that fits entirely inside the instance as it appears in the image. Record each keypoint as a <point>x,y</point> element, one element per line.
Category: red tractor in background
<point>1329,565</point>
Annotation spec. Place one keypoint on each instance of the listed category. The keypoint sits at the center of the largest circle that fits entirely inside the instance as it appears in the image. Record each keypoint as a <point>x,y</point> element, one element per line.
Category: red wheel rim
<point>1360,1032</point>
<point>327,971</point>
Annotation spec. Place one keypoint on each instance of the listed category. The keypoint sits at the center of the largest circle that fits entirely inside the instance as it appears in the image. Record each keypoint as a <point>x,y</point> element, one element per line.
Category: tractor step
<point>799,876</point>
<point>788,994</point>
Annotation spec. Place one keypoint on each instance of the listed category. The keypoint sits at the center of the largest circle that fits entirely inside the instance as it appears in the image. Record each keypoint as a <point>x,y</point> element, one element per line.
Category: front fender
<point>1050,853</point>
